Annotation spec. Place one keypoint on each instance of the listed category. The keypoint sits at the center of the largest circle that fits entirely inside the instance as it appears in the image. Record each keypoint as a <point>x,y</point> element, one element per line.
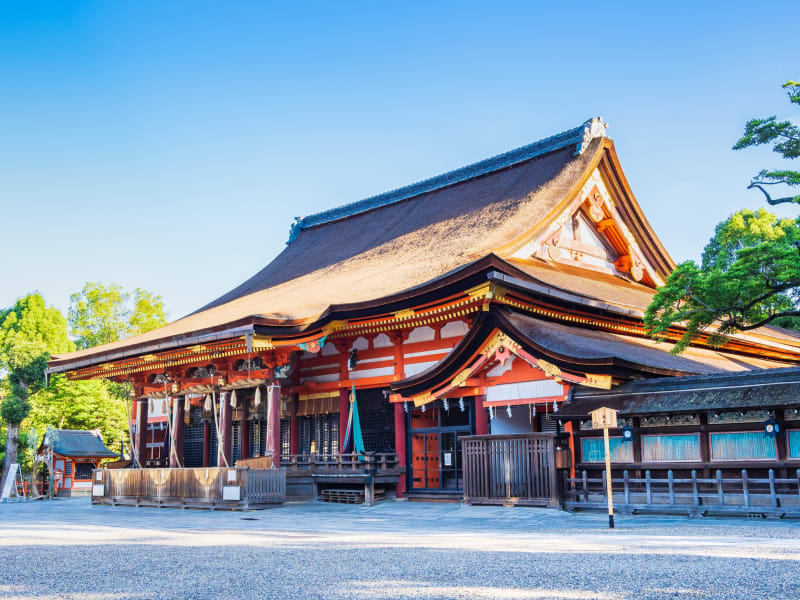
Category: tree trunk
<point>12,440</point>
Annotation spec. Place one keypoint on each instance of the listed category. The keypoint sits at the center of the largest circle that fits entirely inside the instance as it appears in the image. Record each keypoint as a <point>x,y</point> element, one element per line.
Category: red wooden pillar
<point>225,446</point>
<point>400,445</point>
<point>177,433</point>
<point>294,427</point>
<point>397,338</point>
<point>141,431</point>
<point>274,424</point>
<point>344,410</point>
<point>569,429</point>
<point>206,444</point>
<point>245,436</point>
<point>481,417</point>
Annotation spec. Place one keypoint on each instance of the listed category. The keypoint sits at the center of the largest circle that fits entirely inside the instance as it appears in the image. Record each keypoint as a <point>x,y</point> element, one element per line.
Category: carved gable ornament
<point>591,233</point>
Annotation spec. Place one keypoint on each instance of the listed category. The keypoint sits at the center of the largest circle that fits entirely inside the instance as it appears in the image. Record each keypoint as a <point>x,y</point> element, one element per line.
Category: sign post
<point>604,418</point>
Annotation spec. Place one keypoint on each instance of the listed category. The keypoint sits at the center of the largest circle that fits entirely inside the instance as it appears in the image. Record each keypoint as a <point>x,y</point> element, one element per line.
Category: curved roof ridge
<point>580,136</point>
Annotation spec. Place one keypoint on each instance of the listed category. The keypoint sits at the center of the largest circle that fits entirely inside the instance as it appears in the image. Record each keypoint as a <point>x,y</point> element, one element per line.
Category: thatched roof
<point>588,345</point>
<point>372,252</point>
<point>578,349</point>
<point>396,241</point>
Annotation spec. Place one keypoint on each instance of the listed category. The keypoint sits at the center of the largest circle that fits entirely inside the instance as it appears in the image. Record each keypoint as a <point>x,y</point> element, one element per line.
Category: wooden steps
<point>347,496</point>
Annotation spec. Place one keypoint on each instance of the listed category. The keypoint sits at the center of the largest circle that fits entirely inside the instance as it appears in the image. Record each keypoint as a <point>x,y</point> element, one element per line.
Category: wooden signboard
<point>604,418</point>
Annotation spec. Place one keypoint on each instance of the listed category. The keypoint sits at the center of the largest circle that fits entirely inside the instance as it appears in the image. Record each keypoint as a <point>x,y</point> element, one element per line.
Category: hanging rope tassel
<point>220,435</point>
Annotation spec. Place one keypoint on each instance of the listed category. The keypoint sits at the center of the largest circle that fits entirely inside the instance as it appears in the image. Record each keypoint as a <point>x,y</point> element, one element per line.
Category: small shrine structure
<point>71,455</point>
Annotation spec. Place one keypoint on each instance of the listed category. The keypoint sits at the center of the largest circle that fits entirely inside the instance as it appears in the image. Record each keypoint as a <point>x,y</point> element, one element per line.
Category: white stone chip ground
<point>394,550</point>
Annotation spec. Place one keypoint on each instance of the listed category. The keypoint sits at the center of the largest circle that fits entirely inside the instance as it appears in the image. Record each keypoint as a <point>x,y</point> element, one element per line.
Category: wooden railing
<point>213,487</point>
<point>369,462</point>
<point>510,469</point>
<point>770,496</point>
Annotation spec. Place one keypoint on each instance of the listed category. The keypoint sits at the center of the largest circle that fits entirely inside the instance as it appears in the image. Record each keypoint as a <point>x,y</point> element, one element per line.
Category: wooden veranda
<point>348,477</point>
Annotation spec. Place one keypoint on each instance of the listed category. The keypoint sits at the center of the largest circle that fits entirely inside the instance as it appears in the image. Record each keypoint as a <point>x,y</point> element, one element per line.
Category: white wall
<point>518,423</point>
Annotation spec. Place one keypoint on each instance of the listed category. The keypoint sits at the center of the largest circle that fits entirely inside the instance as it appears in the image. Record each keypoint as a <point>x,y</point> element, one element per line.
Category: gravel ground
<point>70,549</point>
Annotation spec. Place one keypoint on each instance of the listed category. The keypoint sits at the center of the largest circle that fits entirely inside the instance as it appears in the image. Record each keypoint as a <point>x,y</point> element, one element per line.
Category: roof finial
<point>297,227</point>
<point>593,128</point>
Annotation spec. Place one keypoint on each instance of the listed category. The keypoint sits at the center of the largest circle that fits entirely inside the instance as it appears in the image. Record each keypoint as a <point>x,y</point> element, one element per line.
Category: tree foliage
<point>750,271</point>
<point>101,314</point>
<point>92,404</point>
<point>749,277</point>
<point>29,332</point>
<point>785,139</point>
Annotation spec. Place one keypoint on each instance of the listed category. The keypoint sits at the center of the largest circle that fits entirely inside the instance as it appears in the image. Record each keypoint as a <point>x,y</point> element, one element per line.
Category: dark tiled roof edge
<point>579,136</point>
<point>755,377</point>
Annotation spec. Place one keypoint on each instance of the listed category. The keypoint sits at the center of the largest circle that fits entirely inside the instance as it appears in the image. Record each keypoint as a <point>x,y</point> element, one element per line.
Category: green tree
<point>101,314</point>
<point>785,139</point>
<point>29,332</point>
<point>750,272</point>
<point>92,404</point>
<point>749,277</point>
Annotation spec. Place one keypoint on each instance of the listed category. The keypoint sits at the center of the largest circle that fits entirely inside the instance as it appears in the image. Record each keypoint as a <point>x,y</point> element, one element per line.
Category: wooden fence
<point>510,469</point>
<point>695,496</point>
<point>213,487</point>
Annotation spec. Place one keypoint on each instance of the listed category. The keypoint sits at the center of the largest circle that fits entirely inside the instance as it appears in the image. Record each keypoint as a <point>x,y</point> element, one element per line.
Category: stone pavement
<point>70,549</point>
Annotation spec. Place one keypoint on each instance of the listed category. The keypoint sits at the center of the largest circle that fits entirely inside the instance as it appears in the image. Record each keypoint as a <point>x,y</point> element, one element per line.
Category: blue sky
<point>169,145</point>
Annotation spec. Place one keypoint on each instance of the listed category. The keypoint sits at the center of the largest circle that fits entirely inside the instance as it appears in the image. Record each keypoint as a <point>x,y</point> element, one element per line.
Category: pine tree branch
<point>770,199</point>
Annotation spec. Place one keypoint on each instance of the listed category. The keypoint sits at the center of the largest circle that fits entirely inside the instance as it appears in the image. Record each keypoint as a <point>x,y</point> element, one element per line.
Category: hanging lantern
<point>207,403</point>
<point>257,397</point>
<point>175,387</point>
<point>772,428</point>
<point>627,433</point>
<point>221,380</point>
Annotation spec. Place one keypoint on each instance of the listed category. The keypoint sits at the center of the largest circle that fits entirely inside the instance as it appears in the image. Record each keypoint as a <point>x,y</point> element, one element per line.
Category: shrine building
<point>500,299</point>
